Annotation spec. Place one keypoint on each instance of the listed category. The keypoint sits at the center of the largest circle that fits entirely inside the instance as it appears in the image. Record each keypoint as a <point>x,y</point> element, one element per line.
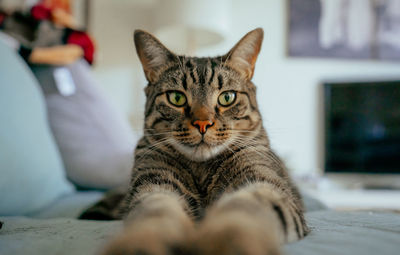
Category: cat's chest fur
<point>207,174</point>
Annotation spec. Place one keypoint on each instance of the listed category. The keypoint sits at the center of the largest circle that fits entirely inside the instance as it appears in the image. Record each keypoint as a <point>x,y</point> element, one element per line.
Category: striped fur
<point>227,181</point>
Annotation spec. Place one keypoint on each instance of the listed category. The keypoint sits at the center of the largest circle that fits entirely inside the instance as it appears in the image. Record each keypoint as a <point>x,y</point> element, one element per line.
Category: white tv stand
<point>342,199</point>
<point>346,192</point>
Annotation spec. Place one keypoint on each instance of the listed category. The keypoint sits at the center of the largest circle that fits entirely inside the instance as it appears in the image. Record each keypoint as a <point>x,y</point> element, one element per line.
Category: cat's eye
<point>176,98</point>
<point>227,98</point>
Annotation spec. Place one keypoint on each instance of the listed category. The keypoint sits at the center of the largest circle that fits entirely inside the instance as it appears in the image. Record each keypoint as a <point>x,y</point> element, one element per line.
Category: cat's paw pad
<point>150,238</point>
<point>233,238</point>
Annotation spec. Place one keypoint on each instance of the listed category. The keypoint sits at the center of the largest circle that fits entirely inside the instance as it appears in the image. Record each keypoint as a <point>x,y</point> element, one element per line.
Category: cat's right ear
<point>153,54</point>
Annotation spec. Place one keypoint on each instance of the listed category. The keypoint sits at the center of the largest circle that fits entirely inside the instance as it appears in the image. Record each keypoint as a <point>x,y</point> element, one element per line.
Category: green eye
<point>176,98</point>
<point>227,98</point>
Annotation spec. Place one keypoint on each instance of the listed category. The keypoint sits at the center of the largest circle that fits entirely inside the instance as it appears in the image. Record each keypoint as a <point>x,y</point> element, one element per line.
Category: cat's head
<point>200,106</point>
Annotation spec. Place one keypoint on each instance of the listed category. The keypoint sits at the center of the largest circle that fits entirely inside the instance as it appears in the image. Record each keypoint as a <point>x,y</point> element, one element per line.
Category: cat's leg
<point>107,208</point>
<point>254,219</point>
<point>158,223</point>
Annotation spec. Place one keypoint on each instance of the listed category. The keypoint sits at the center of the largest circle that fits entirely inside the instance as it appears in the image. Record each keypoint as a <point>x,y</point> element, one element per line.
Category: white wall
<point>117,68</point>
<point>287,87</point>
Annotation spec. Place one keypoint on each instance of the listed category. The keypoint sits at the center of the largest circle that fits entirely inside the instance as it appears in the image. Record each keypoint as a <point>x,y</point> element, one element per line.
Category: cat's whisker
<point>251,146</point>
<point>269,155</point>
<point>247,142</point>
<point>226,145</point>
<point>153,146</point>
<point>172,132</point>
<point>157,134</point>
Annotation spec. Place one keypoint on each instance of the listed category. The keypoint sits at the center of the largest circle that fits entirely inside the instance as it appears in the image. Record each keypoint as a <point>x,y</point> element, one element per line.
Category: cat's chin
<point>199,153</point>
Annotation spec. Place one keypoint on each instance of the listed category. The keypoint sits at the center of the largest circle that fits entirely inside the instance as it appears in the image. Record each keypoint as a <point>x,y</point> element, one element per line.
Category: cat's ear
<point>152,53</point>
<point>242,57</point>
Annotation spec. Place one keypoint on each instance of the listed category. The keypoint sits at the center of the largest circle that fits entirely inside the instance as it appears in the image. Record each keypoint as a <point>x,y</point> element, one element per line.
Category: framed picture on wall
<point>354,29</point>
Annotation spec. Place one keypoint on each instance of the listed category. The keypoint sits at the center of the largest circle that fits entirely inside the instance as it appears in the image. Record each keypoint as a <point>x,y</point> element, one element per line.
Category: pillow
<point>96,142</point>
<point>31,170</point>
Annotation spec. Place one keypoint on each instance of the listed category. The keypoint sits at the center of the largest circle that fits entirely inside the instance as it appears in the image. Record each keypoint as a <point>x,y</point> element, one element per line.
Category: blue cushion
<point>31,170</point>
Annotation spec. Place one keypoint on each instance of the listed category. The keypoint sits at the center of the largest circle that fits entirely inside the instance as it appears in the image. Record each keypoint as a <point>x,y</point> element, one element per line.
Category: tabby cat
<point>205,179</point>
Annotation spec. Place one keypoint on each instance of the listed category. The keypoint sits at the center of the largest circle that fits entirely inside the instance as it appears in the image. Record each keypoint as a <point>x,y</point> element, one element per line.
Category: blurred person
<point>95,140</point>
<point>48,34</point>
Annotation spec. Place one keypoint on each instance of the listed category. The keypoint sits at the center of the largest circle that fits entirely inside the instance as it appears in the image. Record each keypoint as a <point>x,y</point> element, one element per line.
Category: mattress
<point>55,231</point>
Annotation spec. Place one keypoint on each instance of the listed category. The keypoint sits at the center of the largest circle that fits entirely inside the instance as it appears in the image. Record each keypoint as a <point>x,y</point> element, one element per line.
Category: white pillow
<point>96,142</point>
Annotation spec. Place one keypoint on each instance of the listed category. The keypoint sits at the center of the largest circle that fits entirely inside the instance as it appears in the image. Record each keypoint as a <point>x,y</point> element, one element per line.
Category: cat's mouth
<point>201,151</point>
<point>202,142</point>
<point>199,145</point>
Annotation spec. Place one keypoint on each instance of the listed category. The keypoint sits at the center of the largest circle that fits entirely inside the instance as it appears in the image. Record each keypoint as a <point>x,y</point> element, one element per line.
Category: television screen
<point>362,127</point>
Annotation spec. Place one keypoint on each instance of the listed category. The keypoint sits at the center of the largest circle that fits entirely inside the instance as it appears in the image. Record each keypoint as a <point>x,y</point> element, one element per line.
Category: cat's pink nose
<point>202,125</point>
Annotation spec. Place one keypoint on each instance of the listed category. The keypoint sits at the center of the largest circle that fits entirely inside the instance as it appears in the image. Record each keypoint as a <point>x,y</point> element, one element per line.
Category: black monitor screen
<point>362,127</point>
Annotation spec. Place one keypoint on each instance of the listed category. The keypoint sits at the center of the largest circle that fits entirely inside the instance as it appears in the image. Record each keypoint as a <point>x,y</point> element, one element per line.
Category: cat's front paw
<point>150,239</point>
<point>234,236</point>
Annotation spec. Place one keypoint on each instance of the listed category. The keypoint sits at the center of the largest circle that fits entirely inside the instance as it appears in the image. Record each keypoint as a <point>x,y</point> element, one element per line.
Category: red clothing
<point>41,12</point>
<point>2,18</point>
<point>83,40</point>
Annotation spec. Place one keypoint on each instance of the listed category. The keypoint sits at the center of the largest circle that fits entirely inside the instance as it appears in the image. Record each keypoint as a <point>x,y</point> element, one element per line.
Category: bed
<point>55,230</point>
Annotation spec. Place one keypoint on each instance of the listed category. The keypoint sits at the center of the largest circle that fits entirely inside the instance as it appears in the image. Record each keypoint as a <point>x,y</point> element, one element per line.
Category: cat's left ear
<point>242,57</point>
